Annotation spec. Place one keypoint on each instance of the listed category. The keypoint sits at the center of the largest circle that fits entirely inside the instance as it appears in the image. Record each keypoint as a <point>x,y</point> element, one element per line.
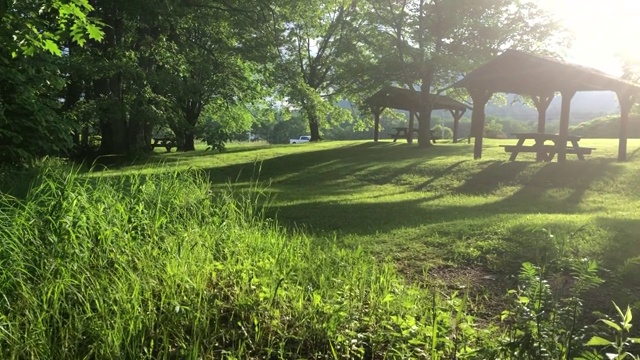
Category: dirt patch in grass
<point>485,289</point>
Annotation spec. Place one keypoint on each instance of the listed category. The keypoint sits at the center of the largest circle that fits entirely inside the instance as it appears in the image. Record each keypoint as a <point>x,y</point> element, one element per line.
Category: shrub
<point>214,135</point>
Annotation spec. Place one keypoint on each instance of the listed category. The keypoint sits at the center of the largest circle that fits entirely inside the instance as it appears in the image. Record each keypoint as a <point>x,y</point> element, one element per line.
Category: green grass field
<point>364,250</point>
<point>439,207</point>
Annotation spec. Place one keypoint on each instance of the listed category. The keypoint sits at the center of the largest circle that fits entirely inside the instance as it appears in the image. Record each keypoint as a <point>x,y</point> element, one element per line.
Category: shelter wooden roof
<point>522,73</point>
<point>405,99</point>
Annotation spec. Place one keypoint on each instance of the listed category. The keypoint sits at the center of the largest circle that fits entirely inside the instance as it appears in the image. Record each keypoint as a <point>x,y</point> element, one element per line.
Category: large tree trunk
<point>113,118</point>
<point>185,139</point>
<point>424,119</point>
<point>185,134</point>
<point>138,138</point>
<point>424,134</point>
<point>189,141</point>
<point>115,131</point>
<point>314,126</point>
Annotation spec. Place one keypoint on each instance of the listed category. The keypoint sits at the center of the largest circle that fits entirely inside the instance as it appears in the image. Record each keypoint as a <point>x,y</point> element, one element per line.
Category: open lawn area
<point>436,208</point>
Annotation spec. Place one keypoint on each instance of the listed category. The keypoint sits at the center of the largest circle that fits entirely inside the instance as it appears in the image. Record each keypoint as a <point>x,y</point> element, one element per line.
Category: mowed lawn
<point>437,209</point>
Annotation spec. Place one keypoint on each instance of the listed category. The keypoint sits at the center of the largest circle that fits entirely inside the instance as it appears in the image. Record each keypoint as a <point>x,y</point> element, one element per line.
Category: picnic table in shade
<point>403,133</point>
<point>165,142</point>
<point>546,146</point>
<point>540,78</point>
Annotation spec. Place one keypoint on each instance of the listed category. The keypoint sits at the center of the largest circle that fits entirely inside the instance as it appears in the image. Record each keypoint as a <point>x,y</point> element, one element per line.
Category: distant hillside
<point>584,106</point>
<point>606,127</point>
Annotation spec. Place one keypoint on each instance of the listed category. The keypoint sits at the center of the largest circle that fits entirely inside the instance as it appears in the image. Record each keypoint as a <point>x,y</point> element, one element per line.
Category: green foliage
<point>30,125</point>
<point>286,129</point>
<point>148,65</point>
<point>214,134</point>
<point>219,52</point>
<point>234,118</point>
<point>443,132</point>
<point>29,27</point>
<point>546,307</point>
<point>493,129</point>
<point>30,121</point>
<point>318,38</point>
<point>620,342</point>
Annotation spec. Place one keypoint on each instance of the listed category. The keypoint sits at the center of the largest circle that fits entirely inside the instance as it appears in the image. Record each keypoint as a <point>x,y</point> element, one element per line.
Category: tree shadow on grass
<point>334,169</point>
<point>545,187</point>
<point>438,175</point>
<point>624,245</point>
<point>493,176</point>
<point>632,155</point>
<point>550,188</point>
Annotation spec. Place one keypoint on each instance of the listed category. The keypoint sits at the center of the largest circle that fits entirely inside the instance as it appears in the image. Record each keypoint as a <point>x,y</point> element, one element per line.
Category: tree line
<point>118,71</point>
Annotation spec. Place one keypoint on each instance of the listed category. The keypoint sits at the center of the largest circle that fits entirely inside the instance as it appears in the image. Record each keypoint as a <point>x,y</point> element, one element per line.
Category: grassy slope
<point>434,208</point>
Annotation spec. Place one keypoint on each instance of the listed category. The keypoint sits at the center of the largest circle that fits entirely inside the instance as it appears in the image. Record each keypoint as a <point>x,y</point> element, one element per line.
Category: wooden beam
<point>626,103</point>
<point>565,112</point>
<point>480,98</point>
<point>542,103</point>
<point>457,115</point>
<point>376,126</point>
<point>410,133</point>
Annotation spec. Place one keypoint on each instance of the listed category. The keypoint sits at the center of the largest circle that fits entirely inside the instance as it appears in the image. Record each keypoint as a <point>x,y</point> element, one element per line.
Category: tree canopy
<point>86,77</point>
<point>428,44</point>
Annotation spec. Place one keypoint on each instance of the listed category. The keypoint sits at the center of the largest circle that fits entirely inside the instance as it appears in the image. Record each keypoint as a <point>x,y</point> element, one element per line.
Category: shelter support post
<point>457,115</point>
<point>542,103</point>
<point>376,126</point>
<point>480,98</point>
<point>626,102</point>
<point>412,115</point>
<point>565,111</point>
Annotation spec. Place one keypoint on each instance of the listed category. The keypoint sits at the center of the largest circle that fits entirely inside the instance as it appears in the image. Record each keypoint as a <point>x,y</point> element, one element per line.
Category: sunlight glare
<point>605,31</point>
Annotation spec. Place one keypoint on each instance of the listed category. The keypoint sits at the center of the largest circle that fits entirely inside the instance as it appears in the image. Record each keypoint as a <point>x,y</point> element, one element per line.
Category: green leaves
<point>320,43</point>
<point>621,341</point>
<point>598,341</point>
<point>94,32</point>
<point>42,25</point>
<point>52,47</point>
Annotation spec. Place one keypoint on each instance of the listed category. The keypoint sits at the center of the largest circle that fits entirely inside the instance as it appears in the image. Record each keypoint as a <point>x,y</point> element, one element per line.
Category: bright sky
<point>602,29</point>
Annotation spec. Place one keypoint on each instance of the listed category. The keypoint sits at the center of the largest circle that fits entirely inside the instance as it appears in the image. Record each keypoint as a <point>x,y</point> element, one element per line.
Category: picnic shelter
<point>412,101</point>
<point>541,78</point>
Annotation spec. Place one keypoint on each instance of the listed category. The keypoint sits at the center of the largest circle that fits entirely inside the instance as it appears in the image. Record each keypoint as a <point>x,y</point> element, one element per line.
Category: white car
<point>302,139</point>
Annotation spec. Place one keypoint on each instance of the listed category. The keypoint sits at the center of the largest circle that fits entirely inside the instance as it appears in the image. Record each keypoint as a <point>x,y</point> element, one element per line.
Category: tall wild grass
<point>162,267</point>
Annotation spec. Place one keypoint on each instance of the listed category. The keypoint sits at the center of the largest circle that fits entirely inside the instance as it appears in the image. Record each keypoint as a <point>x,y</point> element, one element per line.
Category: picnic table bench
<point>546,152</point>
<point>403,132</point>
<point>165,142</point>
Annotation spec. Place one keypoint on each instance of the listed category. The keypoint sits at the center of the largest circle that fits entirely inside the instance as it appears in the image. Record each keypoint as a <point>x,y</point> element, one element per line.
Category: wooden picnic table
<point>165,142</point>
<point>403,132</point>
<point>546,152</point>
